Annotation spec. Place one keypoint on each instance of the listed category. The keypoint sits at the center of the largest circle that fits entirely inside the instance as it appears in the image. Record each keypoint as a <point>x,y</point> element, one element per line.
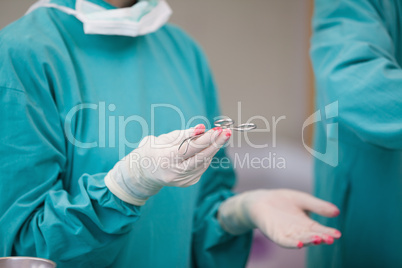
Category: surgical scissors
<point>223,123</point>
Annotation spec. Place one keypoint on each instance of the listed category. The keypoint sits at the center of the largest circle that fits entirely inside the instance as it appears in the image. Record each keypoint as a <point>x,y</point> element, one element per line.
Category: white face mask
<point>142,18</point>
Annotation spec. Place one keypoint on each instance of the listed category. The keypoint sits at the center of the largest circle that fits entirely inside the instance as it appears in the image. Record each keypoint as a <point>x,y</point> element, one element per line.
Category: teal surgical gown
<point>71,106</point>
<point>357,57</point>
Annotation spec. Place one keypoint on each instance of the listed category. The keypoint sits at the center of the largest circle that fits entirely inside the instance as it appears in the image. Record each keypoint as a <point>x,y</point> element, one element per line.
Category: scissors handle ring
<point>245,127</point>
<point>224,123</point>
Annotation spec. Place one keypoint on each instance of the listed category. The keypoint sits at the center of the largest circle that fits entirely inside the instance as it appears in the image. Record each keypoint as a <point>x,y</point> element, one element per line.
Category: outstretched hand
<point>281,215</point>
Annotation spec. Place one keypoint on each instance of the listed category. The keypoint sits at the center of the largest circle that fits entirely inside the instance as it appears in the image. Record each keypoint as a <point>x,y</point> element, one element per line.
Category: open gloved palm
<point>281,215</point>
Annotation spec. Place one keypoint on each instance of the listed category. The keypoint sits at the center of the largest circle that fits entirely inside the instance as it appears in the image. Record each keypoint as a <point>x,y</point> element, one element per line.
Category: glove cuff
<point>114,187</point>
<point>128,183</point>
<point>233,215</point>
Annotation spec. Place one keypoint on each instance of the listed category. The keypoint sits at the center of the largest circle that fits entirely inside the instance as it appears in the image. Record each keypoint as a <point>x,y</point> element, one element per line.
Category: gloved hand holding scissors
<point>159,161</point>
<point>280,215</point>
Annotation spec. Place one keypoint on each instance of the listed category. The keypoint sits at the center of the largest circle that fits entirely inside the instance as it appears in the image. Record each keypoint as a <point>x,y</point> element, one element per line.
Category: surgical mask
<point>142,18</point>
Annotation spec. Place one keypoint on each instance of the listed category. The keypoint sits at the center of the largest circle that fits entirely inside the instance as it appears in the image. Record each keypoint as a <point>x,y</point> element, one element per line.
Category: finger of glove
<point>289,242</point>
<point>324,230</point>
<point>313,204</point>
<point>313,239</point>
<point>176,137</point>
<point>203,158</point>
<point>202,142</point>
<point>305,239</point>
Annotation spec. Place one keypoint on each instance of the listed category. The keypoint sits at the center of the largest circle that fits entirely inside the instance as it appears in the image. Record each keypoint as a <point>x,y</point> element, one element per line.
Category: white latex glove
<point>157,163</point>
<point>280,215</point>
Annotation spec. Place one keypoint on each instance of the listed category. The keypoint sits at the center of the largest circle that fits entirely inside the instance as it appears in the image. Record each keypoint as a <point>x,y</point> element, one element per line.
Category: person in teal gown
<point>357,57</point>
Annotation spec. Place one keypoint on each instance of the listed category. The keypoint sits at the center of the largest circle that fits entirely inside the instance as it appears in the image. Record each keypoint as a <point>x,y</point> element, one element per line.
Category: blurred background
<point>258,51</point>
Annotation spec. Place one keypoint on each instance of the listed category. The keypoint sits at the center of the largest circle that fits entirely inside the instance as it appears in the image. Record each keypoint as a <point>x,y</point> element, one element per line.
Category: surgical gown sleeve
<point>353,55</point>
<point>39,216</point>
<point>212,246</point>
